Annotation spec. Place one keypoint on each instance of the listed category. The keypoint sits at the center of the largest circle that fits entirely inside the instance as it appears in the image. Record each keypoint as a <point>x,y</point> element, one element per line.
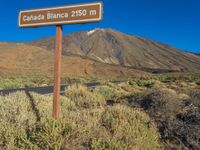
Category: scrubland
<point>157,112</point>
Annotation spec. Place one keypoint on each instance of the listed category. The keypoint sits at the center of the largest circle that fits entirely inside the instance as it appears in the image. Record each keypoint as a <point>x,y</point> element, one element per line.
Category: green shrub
<point>146,83</point>
<point>142,83</point>
<point>189,77</point>
<point>22,82</point>
<point>9,84</point>
<point>108,92</point>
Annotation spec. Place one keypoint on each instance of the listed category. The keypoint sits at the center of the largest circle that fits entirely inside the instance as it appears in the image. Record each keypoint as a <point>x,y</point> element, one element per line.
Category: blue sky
<point>174,22</point>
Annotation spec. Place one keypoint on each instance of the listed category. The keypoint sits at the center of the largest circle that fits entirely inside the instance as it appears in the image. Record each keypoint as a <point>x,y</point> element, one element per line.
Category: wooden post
<point>57,72</point>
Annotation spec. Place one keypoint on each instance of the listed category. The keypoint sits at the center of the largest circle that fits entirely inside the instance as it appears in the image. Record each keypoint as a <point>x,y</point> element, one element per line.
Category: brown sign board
<point>70,14</point>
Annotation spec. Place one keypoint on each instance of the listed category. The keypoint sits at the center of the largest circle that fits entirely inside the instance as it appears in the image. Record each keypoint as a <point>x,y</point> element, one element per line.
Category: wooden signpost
<point>58,16</point>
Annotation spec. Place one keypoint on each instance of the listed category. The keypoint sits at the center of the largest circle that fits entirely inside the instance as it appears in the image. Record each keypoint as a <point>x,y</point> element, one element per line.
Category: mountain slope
<point>114,47</point>
<point>23,59</point>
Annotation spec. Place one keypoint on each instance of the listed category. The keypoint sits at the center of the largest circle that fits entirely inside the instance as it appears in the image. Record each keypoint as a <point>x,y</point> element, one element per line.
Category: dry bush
<point>131,89</point>
<point>84,98</point>
<point>15,116</point>
<point>131,127</point>
<point>50,134</point>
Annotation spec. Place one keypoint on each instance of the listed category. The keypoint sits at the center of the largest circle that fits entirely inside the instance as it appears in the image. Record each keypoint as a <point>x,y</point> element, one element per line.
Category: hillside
<point>22,59</point>
<point>113,47</point>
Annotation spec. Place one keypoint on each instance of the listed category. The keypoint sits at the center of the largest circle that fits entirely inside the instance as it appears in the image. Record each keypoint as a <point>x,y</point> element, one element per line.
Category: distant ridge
<point>114,47</point>
<point>19,59</point>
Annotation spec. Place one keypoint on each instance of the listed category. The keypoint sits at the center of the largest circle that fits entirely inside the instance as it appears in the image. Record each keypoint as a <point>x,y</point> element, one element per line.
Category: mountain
<point>22,59</point>
<point>198,54</point>
<point>114,47</point>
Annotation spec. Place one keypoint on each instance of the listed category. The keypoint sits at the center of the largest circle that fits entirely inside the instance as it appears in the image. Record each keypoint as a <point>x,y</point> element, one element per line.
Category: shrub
<point>50,134</point>
<point>99,144</point>
<point>189,77</point>
<point>21,82</point>
<point>67,104</point>
<point>9,84</point>
<point>130,127</point>
<point>145,83</point>
<point>142,83</point>
<point>108,92</point>
<point>84,98</point>
<point>15,116</point>
<point>68,80</point>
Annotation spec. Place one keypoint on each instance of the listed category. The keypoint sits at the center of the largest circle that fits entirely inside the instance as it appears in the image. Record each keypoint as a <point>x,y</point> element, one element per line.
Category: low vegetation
<point>13,82</point>
<point>86,123</point>
<point>155,112</point>
<point>21,82</point>
<point>83,98</point>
